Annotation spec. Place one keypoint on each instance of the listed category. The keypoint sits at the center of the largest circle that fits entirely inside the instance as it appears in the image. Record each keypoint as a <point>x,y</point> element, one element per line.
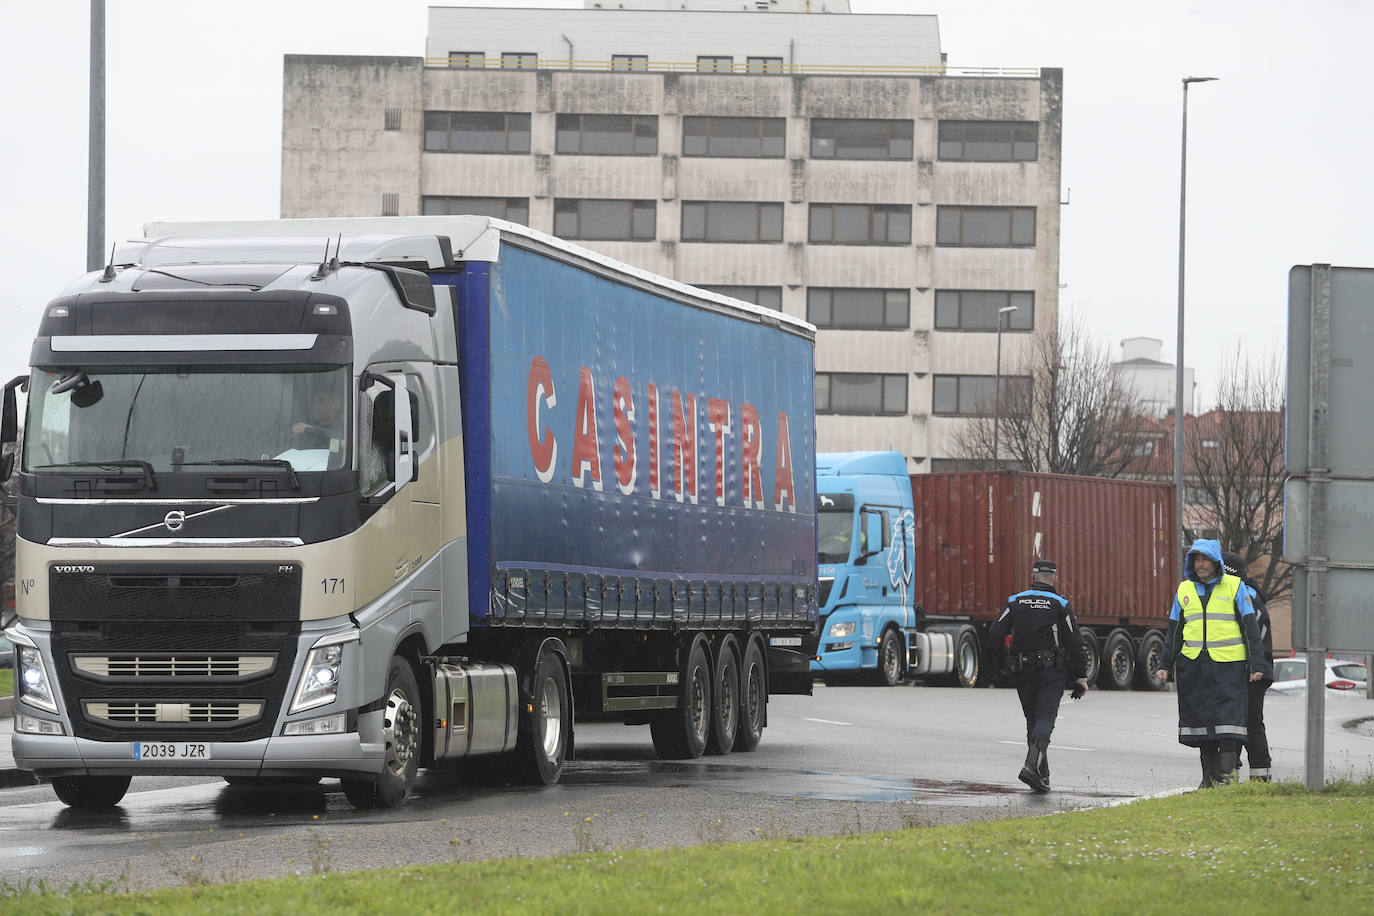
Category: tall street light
<point>1178,366</point>
<point>997,392</point>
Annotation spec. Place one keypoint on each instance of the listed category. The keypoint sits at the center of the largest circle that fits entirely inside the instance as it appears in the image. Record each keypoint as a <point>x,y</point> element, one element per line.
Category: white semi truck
<point>346,498</point>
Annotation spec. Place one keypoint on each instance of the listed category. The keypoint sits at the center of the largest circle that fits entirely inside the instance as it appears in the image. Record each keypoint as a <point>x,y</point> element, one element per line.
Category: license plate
<point>785,641</point>
<point>171,750</point>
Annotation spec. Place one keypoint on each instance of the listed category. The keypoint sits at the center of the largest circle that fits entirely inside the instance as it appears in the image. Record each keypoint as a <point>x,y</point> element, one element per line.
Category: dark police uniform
<point>1256,738</point>
<point>1045,644</point>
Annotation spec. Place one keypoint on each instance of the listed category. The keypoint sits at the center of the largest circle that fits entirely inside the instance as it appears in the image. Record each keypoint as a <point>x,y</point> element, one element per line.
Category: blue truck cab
<point>866,564</point>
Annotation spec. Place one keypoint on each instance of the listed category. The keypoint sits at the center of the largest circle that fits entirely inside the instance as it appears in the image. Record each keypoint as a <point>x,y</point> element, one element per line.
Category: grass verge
<point>1252,848</point>
<point>6,682</point>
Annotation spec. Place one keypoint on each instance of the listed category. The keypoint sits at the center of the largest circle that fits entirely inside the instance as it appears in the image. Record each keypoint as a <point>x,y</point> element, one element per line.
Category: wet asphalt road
<point>844,761</point>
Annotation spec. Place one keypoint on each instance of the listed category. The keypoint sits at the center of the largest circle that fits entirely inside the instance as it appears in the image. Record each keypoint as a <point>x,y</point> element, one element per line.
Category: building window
<point>391,118</point>
<point>515,209</point>
<point>985,227</point>
<point>860,393</point>
<point>988,141</point>
<point>742,138</point>
<point>519,60</point>
<point>855,138</point>
<point>1143,448</point>
<point>707,63</point>
<point>607,135</point>
<point>859,309</point>
<point>604,220</point>
<point>730,221</point>
<point>972,395</point>
<point>860,224</point>
<point>476,132</point>
<point>770,297</point>
<point>637,62</point>
<point>763,65</point>
<point>977,310</point>
<point>391,203</point>
<point>467,60</point>
<point>1211,443</point>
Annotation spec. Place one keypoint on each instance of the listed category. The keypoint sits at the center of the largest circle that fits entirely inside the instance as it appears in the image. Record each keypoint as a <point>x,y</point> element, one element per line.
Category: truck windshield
<point>174,416</point>
<point>835,527</point>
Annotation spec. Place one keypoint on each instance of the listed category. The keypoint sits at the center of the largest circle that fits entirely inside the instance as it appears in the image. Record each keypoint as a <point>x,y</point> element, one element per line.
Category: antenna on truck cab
<point>109,273</point>
<point>328,265</point>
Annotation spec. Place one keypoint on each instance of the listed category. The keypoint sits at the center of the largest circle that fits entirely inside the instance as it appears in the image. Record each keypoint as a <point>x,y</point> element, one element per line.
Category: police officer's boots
<point>1037,761</point>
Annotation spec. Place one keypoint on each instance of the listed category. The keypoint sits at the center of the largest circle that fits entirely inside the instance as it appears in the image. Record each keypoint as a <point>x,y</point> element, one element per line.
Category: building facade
<point>825,164</point>
<point>1152,381</point>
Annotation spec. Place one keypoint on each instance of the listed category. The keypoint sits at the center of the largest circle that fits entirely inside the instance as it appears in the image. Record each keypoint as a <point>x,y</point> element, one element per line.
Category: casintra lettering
<point>674,432</point>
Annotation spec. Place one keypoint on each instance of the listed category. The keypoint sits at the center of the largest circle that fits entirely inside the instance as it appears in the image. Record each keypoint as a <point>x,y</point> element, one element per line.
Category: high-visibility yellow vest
<point>1215,626</point>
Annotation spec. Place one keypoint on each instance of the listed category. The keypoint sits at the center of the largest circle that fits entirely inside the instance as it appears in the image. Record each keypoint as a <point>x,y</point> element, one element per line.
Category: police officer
<point>1214,636</point>
<point>1256,738</point>
<point>1045,643</point>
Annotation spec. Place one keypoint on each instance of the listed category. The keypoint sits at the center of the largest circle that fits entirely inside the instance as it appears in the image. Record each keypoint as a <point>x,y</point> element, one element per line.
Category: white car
<point>1343,677</point>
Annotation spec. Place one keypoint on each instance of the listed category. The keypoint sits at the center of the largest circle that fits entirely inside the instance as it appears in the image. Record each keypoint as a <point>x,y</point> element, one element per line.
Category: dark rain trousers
<point>1040,693</point>
<point>1213,700</point>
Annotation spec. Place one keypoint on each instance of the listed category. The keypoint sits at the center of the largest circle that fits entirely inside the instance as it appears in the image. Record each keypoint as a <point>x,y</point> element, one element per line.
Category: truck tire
<point>753,681</point>
<point>542,746</point>
<point>1148,660</point>
<point>680,734</point>
<point>968,658</point>
<point>1094,650</point>
<point>1118,661</point>
<point>91,793</point>
<point>725,698</point>
<point>889,673</point>
<point>401,736</point>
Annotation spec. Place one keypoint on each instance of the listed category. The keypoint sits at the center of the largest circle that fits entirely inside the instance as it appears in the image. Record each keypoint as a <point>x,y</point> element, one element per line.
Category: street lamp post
<point>997,392</point>
<point>1178,366</point>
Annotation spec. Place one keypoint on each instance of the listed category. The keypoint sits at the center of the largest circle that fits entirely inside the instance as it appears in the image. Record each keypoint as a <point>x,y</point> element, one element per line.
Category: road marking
<point>825,721</point>
<point>1057,747</point>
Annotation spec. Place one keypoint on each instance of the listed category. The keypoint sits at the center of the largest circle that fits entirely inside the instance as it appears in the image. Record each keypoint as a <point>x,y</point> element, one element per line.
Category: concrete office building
<point>819,162</point>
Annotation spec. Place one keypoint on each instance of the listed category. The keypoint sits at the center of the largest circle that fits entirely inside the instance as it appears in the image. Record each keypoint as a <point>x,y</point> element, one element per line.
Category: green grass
<point>1249,849</point>
<point>6,682</point>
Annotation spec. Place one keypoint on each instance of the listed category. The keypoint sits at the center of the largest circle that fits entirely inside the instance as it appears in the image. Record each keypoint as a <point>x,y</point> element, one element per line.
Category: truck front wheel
<point>968,660</point>
<point>401,736</point>
<point>90,793</point>
<point>889,673</point>
<point>543,743</point>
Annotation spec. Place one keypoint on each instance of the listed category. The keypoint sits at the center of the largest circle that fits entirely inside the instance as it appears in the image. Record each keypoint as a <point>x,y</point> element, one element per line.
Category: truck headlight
<point>34,686</point>
<point>843,628</point>
<point>320,680</point>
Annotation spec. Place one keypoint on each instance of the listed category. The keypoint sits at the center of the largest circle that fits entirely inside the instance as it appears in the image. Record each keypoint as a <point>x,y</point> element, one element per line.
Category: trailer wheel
<point>753,698</point>
<point>1148,660</point>
<point>91,793</point>
<point>1094,650</point>
<point>968,660</point>
<point>681,733</point>
<point>401,736</point>
<point>1118,660</point>
<point>543,743</point>
<point>725,698</point>
<point>889,673</point>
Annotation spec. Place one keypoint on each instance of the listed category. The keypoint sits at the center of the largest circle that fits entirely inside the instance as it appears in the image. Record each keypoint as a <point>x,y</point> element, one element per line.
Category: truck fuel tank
<point>476,708</point>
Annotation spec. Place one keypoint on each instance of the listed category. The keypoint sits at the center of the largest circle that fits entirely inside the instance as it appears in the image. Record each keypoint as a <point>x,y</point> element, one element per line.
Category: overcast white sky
<point>1278,169</point>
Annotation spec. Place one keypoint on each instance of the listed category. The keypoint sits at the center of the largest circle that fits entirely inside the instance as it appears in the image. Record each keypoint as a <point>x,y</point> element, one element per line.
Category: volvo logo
<point>174,520</point>
<point>73,569</point>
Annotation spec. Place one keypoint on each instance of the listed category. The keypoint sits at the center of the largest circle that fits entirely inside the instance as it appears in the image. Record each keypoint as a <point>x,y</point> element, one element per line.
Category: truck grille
<point>224,633</point>
<point>150,712</point>
<point>172,667</point>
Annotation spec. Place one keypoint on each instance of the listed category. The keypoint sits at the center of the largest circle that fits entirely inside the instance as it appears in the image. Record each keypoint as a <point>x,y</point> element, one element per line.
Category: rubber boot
<point>1259,774</point>
<point>1228,761</point>
<point>1035,759</point>
<point>1208,754</point>
<point>1045,767</point>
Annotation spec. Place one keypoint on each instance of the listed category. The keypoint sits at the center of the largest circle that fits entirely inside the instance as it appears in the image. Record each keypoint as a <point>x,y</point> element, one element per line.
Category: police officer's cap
<point>1233,564</point>
<point>1044,566</point>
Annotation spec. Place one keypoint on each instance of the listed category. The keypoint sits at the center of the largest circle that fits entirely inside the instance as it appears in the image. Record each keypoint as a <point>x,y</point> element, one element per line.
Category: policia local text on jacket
<point>1045,643</point>
<point>1213,640</point>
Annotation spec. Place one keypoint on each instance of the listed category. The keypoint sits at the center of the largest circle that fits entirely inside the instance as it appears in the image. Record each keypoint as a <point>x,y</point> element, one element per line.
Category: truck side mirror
<point>871,536</point>
<point>9,419</point>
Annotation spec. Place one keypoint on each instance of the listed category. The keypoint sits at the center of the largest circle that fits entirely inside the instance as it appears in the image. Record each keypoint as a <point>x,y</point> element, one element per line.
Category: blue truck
<point>346,498</point>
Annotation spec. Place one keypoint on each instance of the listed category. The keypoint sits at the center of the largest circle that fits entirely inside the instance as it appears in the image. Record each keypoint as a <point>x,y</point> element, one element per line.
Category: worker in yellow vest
<point>1213,640</point>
